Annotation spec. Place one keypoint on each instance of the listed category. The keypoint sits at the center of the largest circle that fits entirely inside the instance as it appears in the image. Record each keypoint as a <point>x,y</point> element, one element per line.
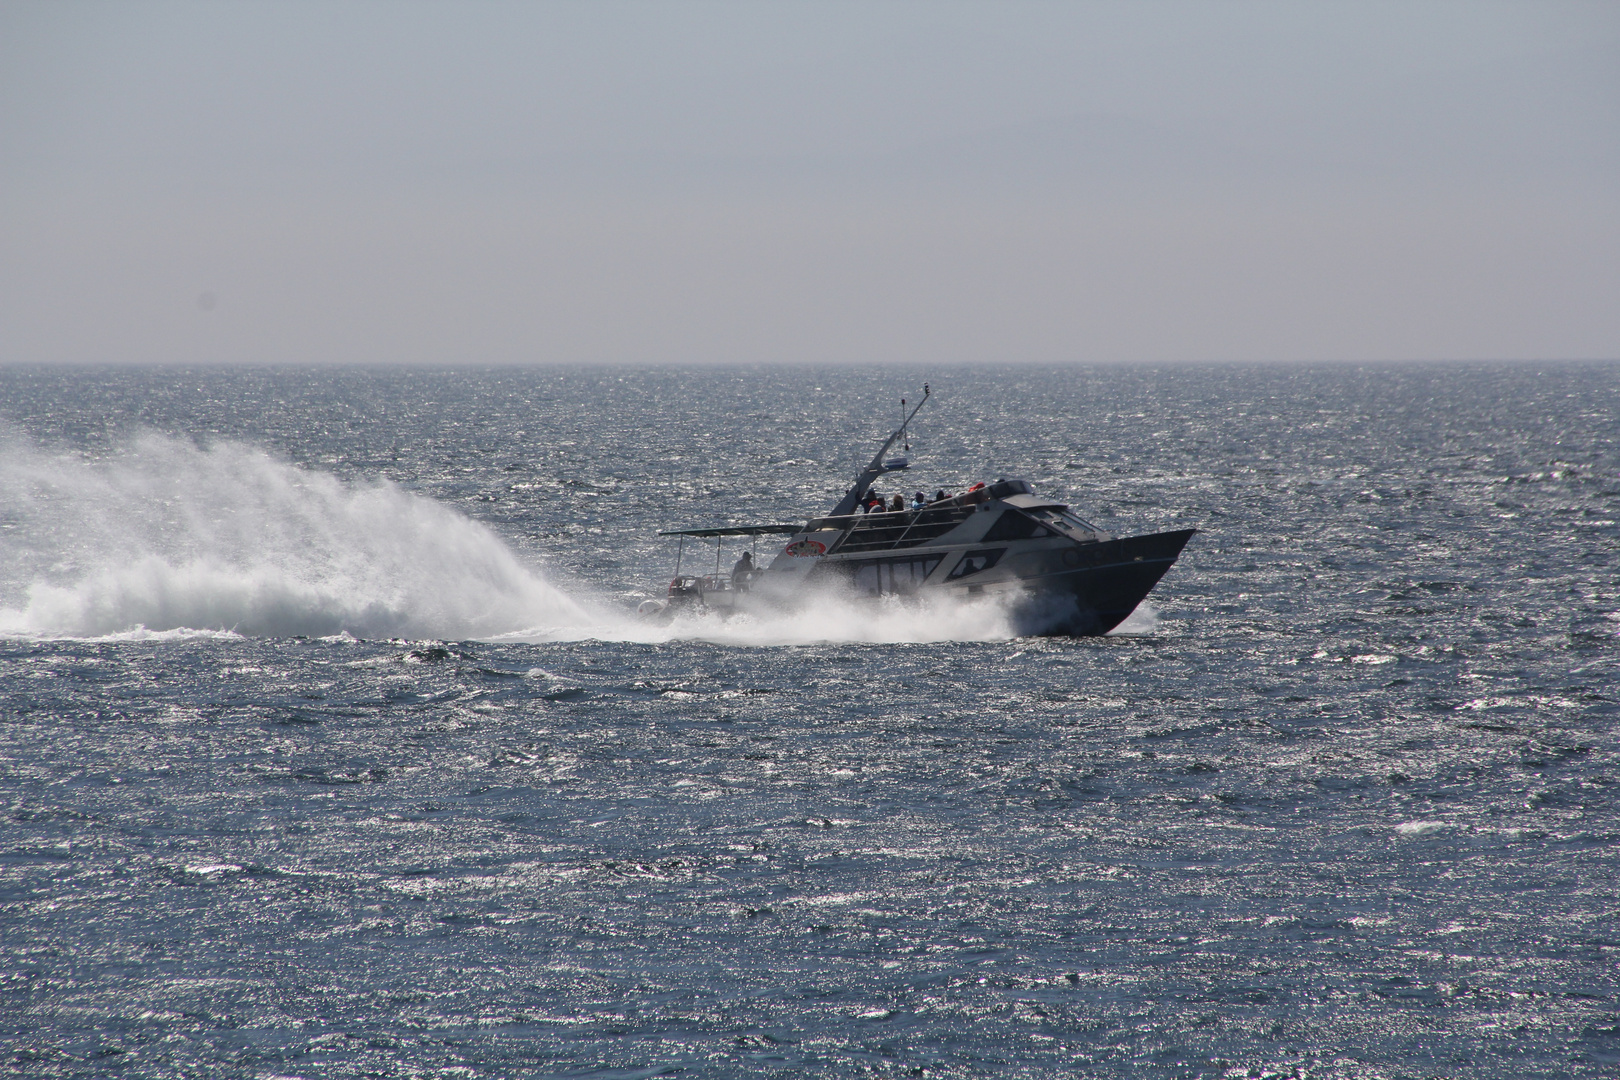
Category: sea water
<point>330,744</point>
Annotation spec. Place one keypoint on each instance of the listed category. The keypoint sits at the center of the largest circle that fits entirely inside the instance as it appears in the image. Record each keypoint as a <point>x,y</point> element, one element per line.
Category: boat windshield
<point>1065,520</point>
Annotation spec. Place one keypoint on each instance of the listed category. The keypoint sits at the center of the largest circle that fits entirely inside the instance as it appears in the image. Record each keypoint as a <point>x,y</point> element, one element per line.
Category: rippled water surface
<point>329,747</point>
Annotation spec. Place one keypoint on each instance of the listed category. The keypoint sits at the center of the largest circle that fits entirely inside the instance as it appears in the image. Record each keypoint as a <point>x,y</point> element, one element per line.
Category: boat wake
<point>168,539</point>
<point>831,618</point>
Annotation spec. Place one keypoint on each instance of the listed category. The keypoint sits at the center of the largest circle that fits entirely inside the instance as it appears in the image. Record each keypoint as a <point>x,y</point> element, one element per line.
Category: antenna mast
<point>863,479</point>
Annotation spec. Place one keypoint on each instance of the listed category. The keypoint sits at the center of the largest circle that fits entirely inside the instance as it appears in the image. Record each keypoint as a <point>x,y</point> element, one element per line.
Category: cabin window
<point>891,577</point>
<point>974,562</point>
<point>1013,525</point>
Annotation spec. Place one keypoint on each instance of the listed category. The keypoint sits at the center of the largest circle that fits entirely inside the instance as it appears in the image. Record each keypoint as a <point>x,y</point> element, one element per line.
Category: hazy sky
<point>956,182</point>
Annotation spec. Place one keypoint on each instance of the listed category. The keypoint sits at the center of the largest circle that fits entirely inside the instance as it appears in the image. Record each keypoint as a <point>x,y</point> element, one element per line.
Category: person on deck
<point>898,504</point>
<point>741,571</point>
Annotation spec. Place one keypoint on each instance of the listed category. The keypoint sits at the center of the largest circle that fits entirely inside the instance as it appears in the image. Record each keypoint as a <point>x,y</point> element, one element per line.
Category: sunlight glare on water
<point>332,746</point>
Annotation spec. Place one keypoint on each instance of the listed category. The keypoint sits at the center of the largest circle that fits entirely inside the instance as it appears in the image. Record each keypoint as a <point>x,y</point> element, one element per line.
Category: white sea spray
<point>168,535</point>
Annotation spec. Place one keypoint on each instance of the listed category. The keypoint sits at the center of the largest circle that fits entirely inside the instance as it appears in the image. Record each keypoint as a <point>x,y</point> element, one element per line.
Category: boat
<point>1057,573</point>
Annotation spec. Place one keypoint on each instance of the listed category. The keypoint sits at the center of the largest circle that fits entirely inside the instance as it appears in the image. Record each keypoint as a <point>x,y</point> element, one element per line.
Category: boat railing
<point>888,529</point>
<point>893,528</point>
<point>844,521</point>
<point>841,521</point>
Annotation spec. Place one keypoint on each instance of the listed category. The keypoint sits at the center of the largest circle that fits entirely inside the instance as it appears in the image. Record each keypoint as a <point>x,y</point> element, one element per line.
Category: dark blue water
<point>328,749</point>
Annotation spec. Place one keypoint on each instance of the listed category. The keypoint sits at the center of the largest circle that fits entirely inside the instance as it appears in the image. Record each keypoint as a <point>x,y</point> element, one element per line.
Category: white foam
<point>171,538</point>
<point>1144,620</point>
<point>1419,828</point>
<point>831,618</point>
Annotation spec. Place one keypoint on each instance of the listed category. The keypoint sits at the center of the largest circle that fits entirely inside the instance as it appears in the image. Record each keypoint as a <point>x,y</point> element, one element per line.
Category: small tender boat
<point>1058,573</point>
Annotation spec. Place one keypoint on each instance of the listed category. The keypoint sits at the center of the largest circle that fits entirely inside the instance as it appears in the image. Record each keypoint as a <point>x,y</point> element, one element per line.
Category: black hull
<point>1080,590</point>
<point>1107,583</point>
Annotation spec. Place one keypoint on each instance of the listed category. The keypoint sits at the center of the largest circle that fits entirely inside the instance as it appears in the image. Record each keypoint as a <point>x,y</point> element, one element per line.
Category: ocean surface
<point>329,745</point>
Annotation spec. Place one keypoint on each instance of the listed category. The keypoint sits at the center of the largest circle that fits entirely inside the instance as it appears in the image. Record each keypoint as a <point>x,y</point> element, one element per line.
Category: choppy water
<point>327,749</point>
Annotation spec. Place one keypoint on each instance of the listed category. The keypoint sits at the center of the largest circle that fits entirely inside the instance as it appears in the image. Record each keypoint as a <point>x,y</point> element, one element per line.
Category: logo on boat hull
<point>802,548</point>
